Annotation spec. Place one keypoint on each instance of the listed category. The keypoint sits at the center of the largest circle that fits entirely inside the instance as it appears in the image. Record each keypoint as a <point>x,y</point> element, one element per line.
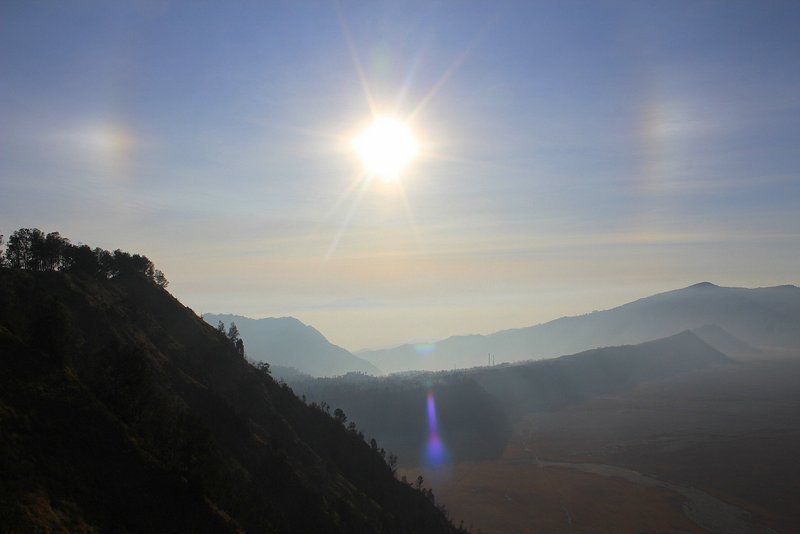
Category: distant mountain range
<point>476,407</point>
<point>757,318</point>
<point>288,343</point>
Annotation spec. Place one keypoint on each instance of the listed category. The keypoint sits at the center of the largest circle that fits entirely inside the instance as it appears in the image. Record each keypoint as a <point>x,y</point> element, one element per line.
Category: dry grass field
<point>501,496</point>
<point>732,432</point>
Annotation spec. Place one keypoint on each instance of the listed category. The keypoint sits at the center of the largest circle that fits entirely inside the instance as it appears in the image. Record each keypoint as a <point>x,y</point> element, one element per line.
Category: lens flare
<point>435,451</point>
<point>425,349</point>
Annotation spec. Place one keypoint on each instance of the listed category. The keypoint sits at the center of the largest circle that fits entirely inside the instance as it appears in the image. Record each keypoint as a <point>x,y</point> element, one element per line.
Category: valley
<point>714,447</point>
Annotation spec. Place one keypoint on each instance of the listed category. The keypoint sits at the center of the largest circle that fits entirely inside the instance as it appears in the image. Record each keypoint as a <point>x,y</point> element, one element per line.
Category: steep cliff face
<point>121,409</point>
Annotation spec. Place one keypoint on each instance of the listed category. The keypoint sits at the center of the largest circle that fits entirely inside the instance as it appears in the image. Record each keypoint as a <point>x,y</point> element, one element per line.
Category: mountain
<point>476,408</point>
<point>553,383</point>
<point>395,411</point>
<point>287,342</point>
<point>762,317</point>
<point>122,411</point>
<point>725,342</point>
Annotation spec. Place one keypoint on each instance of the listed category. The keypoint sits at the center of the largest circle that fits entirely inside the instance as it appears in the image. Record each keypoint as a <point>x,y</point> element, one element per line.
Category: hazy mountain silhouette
<point>762,317</point>
<point>287,342</point>
<point>475,406</point>
<point>725,342</point>
<point>121,410</point>
<point>552,383</point>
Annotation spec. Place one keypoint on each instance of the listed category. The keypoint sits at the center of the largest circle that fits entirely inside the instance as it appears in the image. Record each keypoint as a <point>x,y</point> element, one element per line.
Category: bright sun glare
<point>386,147</point>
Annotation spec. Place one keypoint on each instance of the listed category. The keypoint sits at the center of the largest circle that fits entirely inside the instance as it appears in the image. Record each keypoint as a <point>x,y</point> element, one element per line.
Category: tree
<point>418,483</point>
<point>340,416</point>
<point>19,251</point>
<point>51,252</point>
<point>126,264</point>
<point>105,263</point>
<point>32,250</point>
<point>233,333</point>
<point>240,347</point>
<point>263,367</point>
<point>159,279</point>
<point>221,328</point>
<point>392,462</point>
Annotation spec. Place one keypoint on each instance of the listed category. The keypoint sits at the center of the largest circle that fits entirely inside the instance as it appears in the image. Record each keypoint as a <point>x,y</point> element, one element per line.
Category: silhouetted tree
<point>82,260</point>
<point>392,462</point>
<point>159,279</point>
<point>31,249</point>
<point>105,263</point>
<point>233,333</point>
<point>19,251</point>
<point>418,483</point>
<point>2,255</point>
<point>239,347</point>
<point>126,264</point>
<point>50,252</point>
<point>221,328</point>
<point>339,415</point>
<point>263,367</point>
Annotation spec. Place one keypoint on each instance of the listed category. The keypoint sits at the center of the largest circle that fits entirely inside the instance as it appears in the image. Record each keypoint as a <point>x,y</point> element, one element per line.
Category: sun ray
<point>335,243</point>
<point>356,60</point>
<point>450,71</point>
<point>438,85</point>
<point>401,96</point>
<point>441,156</point>
<point>344,196</point>
<point>412,223</point>
<point>387,145</point>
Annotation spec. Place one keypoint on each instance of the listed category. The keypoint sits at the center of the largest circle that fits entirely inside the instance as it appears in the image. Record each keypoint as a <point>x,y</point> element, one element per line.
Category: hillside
<point>553,383</point>
<point>761,317</point>
<point>121,410</point>
<point>394,410</point>
<point>285,341</point>
<point>476,407</point>
<point>725,342</point>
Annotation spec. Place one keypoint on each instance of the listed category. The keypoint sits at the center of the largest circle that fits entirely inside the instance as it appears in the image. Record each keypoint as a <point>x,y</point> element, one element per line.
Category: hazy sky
<point>576,155</point>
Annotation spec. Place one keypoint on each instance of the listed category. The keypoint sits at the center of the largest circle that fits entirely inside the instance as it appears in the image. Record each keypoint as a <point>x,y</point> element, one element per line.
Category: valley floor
<point>730,433</point>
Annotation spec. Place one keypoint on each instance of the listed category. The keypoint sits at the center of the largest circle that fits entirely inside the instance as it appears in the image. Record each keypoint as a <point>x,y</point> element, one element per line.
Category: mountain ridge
<point>288,342</point>
<point>768,316</point>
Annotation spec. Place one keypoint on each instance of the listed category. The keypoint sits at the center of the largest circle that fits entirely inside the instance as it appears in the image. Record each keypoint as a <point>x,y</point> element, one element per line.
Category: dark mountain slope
<point>762,317</point>
<point>476,407</point>
<point>550,384</point>
<point>285,341</point>
<point>120,409</point>
<point>395,411</point>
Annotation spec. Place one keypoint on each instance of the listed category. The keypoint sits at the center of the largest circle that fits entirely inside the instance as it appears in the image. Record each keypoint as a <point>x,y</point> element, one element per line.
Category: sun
<point>386,147</point>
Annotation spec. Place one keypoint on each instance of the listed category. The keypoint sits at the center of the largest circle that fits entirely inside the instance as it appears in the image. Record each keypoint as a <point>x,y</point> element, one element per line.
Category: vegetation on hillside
<point>477,407</point>
<point>31,249</point>
<point>394,410</point>
<point>120,409</point>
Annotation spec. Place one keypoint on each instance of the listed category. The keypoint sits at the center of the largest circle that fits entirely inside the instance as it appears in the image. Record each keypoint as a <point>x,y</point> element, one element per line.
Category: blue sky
<point>577,154</point>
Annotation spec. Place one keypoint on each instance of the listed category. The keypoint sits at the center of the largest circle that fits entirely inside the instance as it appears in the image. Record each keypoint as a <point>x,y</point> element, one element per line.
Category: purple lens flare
<point>435,451</point>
